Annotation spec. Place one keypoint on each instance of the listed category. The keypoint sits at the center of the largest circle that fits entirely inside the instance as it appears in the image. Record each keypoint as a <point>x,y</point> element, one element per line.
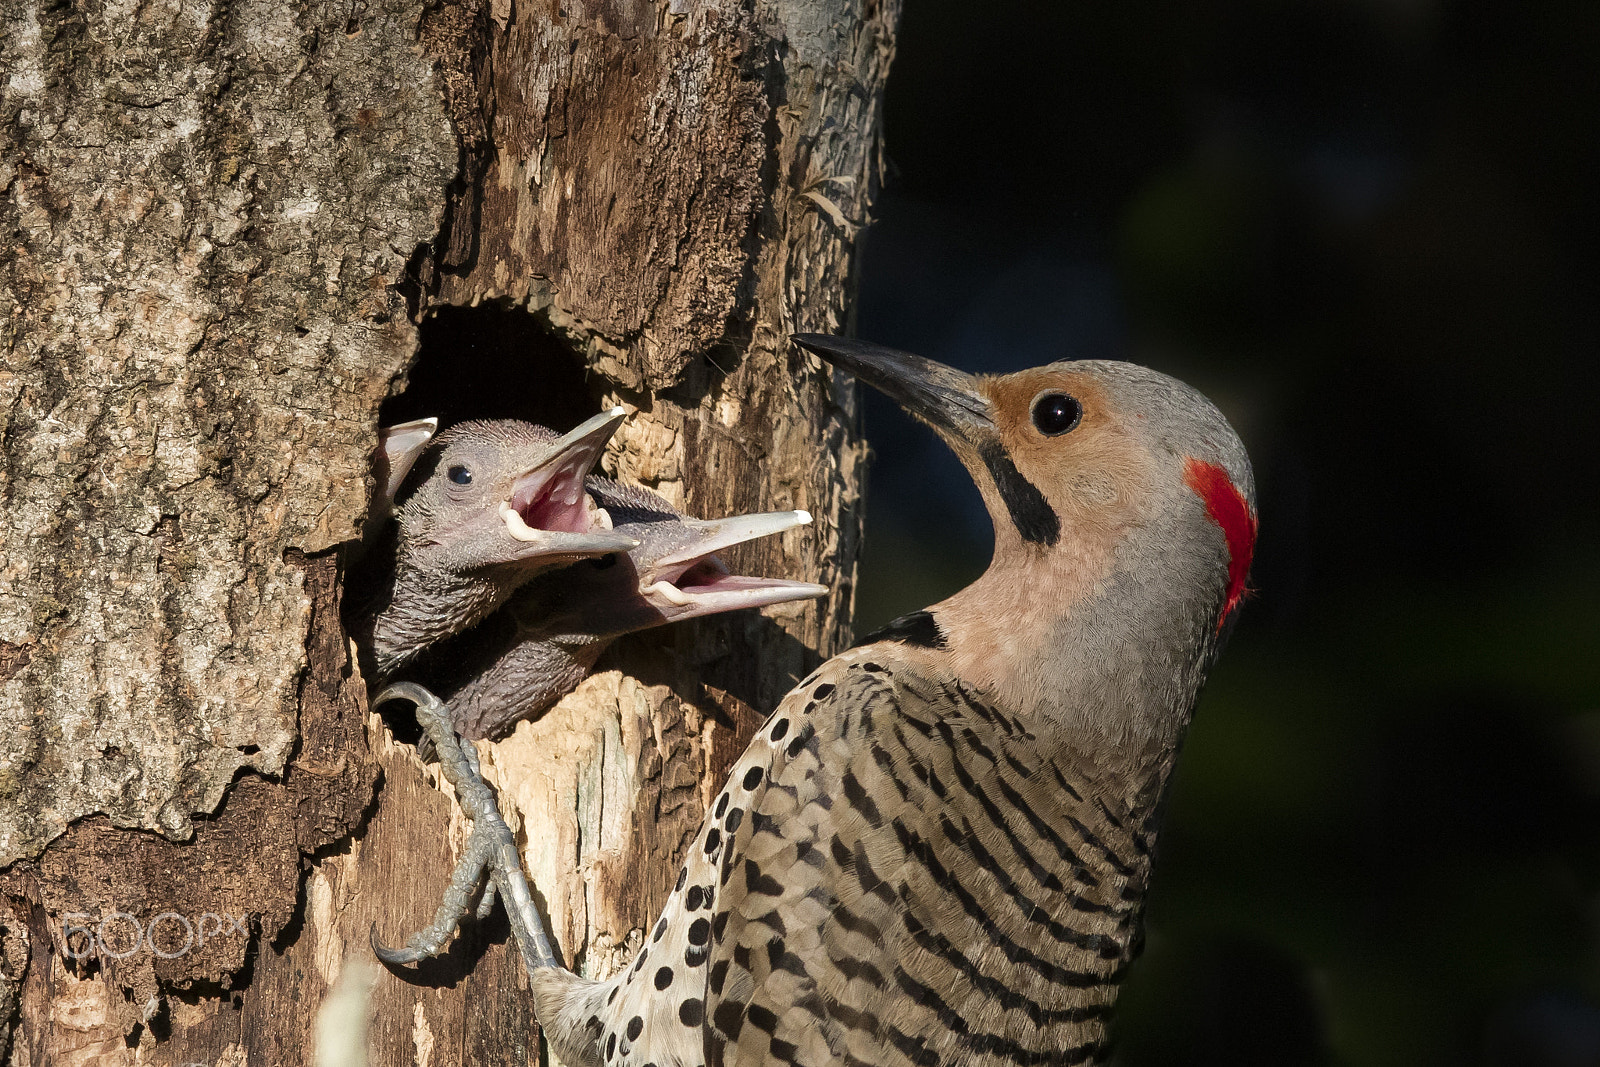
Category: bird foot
<point>491,850</point>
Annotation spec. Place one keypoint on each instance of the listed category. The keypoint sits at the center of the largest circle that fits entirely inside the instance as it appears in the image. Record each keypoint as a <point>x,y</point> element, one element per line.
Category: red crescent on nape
<point>1229,510</point>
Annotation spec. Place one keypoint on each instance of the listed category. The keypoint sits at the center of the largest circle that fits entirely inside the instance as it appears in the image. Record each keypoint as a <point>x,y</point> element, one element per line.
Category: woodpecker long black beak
<point>951,402</point>
<point>943,397</point>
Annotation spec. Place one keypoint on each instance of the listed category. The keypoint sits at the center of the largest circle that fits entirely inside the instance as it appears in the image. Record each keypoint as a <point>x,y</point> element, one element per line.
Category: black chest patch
<point>1030,512</point>
<point>918,628</point>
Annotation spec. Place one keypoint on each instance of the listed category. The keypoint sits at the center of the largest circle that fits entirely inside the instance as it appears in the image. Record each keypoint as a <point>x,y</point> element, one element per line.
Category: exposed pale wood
<point>670,189</point>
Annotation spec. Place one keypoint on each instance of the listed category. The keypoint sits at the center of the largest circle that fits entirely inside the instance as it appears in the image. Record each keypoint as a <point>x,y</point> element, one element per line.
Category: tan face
<point>1093,470</point>
<point>1086,467</point>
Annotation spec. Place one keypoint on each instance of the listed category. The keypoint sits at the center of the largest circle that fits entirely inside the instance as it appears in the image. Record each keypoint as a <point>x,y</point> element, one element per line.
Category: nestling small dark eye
<point>1056,413</point>
<point>607,560</point>
<point>460,475</point>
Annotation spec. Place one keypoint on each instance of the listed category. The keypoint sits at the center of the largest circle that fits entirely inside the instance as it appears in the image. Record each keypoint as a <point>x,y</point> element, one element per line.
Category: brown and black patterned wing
<point>912,884</point>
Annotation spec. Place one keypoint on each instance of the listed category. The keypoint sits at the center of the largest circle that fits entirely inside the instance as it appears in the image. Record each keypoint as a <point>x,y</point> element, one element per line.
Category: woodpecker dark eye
<point>607,560</point>
<point>1056,413</point>
<point>460,475</point>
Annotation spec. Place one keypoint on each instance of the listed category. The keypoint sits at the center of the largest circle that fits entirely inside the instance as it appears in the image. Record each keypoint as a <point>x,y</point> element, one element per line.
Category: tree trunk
<point>222,226</point>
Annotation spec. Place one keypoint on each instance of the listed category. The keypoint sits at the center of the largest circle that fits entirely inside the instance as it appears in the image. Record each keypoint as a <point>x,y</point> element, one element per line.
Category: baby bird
<point>488,506</point>
<point>936,851</point>
<point>545,640</point>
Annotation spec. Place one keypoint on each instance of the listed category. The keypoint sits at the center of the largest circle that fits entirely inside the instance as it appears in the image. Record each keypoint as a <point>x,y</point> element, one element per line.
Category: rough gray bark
<point>206,209</point>
<point>221,223</point>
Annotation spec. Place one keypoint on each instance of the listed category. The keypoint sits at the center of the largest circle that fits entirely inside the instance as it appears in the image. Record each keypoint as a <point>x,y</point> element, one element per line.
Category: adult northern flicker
<point>936,850</point>
<point>490,505</point>
<point>545,640</point>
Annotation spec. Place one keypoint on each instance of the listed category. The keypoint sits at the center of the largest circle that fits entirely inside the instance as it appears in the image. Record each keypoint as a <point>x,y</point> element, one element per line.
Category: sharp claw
<point>491,850</point>
<point>410,691</point>
<point>396,956</point>
<point>388,955</point>
<point>465,880</point>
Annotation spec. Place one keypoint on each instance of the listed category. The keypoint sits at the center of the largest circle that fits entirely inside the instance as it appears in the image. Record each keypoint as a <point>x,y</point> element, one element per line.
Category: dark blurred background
<point>1368,229</point>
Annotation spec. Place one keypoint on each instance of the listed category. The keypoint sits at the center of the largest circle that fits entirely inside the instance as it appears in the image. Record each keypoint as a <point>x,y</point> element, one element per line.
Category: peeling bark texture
<point>205,210</point>
<point>222,225</point>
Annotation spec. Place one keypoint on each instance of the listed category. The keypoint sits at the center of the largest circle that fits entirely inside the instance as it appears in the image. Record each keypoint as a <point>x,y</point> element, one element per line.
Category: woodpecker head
<point>1124,514</point>
<point>506,498</point>
<point>532,652</point>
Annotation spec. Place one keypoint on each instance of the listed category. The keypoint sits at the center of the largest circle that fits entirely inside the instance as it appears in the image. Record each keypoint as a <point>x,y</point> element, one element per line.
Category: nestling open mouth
<point>696,580</point>
<point>558,506</point>
<point>708,575</point>
<point>549,497</point>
